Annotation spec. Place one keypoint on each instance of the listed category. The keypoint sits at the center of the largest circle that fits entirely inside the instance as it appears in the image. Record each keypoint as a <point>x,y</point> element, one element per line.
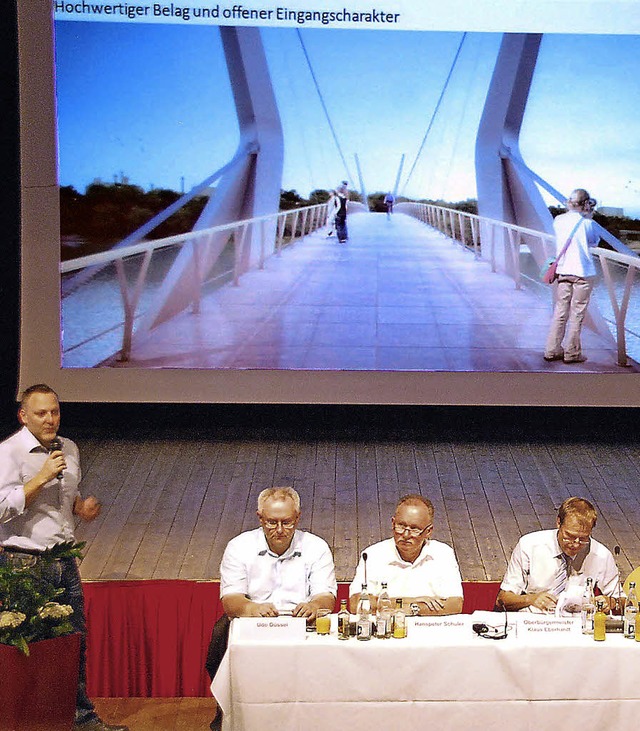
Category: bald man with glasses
<point>422,572</point>
<point>552,566</point>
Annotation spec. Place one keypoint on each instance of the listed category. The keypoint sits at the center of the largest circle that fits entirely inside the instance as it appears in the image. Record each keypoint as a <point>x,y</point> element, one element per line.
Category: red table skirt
<point>148,639</point>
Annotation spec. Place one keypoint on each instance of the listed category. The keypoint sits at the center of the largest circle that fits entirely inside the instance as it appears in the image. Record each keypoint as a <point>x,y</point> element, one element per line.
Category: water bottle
<point>363,631</point>
<point>631,612</point>
<point>588,608</point>
<point>383,623</point>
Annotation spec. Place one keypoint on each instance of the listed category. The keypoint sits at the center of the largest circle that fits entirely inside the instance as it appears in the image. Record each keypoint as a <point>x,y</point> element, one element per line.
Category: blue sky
<point>153,102</point>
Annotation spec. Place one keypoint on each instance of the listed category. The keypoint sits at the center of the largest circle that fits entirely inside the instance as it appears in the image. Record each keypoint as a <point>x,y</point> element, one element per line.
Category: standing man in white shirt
<point>39,499</point>
<point>419,570</point>
<point>576,274</point>
<point>272,569</point>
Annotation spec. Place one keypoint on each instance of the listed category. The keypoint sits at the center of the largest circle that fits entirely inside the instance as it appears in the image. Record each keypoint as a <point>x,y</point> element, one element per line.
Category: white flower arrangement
<point>29,611</point>
<point>53,610</point>
<point>11,620</point>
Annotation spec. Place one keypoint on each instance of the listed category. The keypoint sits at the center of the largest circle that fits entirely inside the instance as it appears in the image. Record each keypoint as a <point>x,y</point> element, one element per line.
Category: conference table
<point>544,675</point>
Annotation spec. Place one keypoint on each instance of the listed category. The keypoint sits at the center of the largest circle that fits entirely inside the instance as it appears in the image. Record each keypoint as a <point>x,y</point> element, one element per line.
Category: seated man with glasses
<point>420,571</point>
<point>272,569</point>
<point>549,566</point>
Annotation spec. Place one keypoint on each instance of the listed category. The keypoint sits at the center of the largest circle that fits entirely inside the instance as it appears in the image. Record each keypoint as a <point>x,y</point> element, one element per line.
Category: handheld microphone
<point>56,446</point>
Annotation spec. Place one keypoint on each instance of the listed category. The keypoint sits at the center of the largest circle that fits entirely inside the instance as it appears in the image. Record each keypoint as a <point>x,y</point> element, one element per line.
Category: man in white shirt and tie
<point>549,564</point>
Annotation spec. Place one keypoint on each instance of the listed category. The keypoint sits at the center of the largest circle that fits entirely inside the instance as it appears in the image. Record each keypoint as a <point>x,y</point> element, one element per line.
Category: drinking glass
<point>323,621</point>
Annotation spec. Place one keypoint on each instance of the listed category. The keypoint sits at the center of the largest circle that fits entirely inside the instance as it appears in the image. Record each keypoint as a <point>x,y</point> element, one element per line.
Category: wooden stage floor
<point>172,504</point>
<point>173,498</point>
<point>157,714</point>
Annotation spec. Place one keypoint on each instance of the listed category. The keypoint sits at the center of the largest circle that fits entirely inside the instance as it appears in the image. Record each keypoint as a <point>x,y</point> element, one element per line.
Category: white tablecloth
<point>453,678</point>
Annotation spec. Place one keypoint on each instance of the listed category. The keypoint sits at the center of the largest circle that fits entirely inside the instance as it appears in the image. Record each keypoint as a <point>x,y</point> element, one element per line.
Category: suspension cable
<point>326,111</point>
<point>435,112</point>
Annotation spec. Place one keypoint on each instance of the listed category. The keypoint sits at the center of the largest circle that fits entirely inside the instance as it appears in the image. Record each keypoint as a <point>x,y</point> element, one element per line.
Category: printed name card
<point>425,627</point>
<point>533,626</point>
<point>269,629</point>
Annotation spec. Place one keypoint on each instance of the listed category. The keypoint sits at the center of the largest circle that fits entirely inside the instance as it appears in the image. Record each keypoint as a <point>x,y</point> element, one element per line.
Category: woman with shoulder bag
<point>575,234</point>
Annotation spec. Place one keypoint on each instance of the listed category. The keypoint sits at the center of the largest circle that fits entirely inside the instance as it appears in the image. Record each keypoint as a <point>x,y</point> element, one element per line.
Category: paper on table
<point>569,603</point>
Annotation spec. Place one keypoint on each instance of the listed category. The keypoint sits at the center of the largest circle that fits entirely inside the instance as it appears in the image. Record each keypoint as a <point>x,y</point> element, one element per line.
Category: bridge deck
<point>397,296</point>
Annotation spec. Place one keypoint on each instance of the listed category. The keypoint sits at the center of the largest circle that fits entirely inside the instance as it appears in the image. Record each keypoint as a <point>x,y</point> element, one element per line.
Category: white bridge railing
<point>483,236</point>
<point>291,226</point>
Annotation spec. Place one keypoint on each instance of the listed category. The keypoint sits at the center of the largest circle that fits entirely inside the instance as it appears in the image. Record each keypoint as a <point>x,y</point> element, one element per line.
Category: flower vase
<point>38,692</point>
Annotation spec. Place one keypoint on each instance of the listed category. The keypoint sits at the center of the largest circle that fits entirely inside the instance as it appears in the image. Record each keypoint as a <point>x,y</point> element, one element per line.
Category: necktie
<point>562,576</point>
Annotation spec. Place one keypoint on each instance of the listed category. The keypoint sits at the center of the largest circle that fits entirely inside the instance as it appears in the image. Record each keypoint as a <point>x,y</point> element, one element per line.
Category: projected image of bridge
<point>255,281</point>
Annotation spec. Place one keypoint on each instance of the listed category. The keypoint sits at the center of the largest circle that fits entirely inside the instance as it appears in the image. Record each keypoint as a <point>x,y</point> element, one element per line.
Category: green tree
<point>290,199</point>
<point>319,195</point>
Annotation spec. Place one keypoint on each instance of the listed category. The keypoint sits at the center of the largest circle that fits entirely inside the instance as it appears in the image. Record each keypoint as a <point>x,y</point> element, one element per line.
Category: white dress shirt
<point>303,571</point>
<point>434,573</point>
<point>48,520</point>
<point>537,559</point>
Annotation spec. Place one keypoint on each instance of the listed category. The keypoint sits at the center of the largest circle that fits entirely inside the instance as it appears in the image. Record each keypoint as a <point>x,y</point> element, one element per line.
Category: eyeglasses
<point>580,541</point>
<point>273,524</point>
<point>401,528</point>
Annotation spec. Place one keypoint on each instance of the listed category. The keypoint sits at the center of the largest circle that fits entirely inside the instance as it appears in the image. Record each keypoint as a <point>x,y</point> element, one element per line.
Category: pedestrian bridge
<point>399,295</point>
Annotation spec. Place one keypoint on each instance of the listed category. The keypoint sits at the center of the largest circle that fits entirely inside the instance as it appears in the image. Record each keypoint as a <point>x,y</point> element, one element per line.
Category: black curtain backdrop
<point>9,211</point>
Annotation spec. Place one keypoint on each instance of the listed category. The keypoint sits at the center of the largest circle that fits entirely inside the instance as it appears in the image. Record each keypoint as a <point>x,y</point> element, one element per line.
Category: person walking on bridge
<point>576,274</point>
<point>389,200</point>
<point>342,193</point>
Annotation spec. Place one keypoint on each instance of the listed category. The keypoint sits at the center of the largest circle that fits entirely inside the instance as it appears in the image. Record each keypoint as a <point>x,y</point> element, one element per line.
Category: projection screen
<point>182,166</point>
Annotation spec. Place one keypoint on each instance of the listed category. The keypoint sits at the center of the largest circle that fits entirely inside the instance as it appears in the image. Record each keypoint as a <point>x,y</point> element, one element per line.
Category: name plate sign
<point>532,626</point>
<point>269,629</point>
<point>425,627</point>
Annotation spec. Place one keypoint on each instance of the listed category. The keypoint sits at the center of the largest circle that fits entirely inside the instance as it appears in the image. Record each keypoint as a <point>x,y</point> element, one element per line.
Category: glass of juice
<point>323,621</point>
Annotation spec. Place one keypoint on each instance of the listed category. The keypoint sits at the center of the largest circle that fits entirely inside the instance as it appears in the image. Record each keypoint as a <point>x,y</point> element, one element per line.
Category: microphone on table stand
<point>615,621</point>
<point>618,607</point>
